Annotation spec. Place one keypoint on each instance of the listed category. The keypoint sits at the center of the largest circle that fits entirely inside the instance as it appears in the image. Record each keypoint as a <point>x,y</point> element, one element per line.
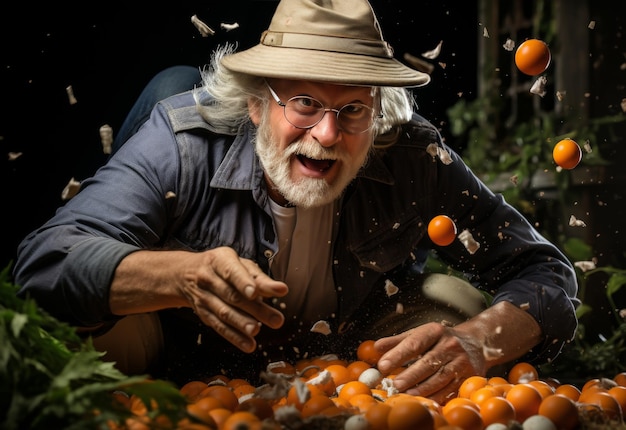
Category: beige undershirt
<point>303,261</point>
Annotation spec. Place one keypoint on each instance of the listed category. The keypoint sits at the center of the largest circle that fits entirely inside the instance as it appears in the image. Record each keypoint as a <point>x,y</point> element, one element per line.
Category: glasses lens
<point>355,117</point>
<point>306,112</point>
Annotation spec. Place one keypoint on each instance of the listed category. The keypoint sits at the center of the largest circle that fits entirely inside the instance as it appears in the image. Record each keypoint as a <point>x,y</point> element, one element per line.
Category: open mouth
<point>316,165</point>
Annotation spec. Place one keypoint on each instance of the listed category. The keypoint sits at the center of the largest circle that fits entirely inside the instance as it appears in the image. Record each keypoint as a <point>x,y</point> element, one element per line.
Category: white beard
<point>306,192</point>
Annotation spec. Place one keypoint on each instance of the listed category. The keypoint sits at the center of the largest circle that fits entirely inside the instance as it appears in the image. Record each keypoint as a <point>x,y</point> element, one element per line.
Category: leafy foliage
<point>51,378</point>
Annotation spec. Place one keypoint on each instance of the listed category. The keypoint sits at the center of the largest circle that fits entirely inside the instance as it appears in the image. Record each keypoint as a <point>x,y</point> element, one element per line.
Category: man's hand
<point>225,291</point>
<point>439,358</point>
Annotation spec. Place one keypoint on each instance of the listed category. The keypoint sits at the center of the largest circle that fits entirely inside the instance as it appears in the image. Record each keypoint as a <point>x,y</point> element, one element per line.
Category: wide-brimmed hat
<point>338,41</point>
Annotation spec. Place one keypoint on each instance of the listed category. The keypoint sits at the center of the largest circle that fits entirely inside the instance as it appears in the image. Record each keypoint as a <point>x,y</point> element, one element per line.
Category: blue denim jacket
<point>180,183</point>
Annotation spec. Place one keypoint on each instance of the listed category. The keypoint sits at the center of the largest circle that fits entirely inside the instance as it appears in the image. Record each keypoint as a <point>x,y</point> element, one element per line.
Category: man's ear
<point>254,110</point>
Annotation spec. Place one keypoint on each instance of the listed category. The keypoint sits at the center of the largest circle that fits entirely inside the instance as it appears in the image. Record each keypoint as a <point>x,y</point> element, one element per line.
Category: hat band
<point>376,48</point>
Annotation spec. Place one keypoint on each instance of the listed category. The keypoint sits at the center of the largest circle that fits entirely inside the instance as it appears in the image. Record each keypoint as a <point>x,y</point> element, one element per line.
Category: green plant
<point>51,378</point>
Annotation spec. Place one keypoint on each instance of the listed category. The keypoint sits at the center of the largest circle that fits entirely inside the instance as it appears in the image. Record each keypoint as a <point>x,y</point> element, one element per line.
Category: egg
<point>538,422</point>
<point>371,377</point>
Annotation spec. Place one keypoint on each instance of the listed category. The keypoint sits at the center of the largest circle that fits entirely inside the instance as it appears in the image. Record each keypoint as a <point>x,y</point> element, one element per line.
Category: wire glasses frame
<point>306,112</point>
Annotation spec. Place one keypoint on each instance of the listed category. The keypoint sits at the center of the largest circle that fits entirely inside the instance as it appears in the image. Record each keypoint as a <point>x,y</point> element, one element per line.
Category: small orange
<point>241,420</point>
<point>442,230</point>
<point>222,393</point>
<point>352,388</point>
<point>201,408</point>
<point>316,404</point>
<point>607,403</point>
<point>532,57</point>
<point>471,384</point>
<point>244,391</point>
<point>458,401</point>
<point>362,402</point>
<point>483,393</point>
<point>366,351</point>
<point>298,394</point>
<point>339,373</point>
<point>357,367</point>
<point>466,417</point>
<point>525,399</point>
<point>568,390</point>
<point>543,387</point>
<point>192,389</point>
<point>259,406</point>
<point>561,410</point>
<point>376,415</point>
<point>619,392</point>
<point>620,379</point>
<point>522,372</point>
<point>497,410</point>
<point>410,415</point>
<point>567,154</point>
<point>220,415</point>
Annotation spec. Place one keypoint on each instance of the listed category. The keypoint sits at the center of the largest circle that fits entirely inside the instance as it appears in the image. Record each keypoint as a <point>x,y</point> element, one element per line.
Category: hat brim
<point>324,66</point>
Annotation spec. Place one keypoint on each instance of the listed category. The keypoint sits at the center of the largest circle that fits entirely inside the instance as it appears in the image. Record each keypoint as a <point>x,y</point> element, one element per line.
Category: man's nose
<point>327,131</point>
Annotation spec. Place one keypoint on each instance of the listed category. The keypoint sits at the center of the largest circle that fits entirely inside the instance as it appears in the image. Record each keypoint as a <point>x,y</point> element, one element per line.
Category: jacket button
<point>268,253</point>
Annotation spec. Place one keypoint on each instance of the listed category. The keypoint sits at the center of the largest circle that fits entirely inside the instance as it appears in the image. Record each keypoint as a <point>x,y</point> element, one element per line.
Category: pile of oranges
<point>331,393</point>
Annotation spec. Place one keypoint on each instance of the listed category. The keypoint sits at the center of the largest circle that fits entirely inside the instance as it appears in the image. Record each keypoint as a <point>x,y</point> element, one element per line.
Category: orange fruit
<point>376,415</point>
<point>497,410</point>
<point>339,373</point>
<point>410,415</point>
<point>260,407</point>
<point>522,372</point>
<point>367,352</point>
<point>442,230</point>
<point>352,388</point>
<point>220,415</point>
<point>543,387</point>
<point>525,399</point>
<point>567,154</point>
<point>298,395</point>
<point>619,392</point>
<point>568,390</point>
<point>607,403</point>
<point>458,401</point>
<point>362,401</point>
<point>357,367</point>
<point>241,420</point>
<point>620,379</point>
<point>561,410</point>
<point>222,393</point>
<point>532,57</point>
<point>316,404</point>
<point>192,389</point>
<point>465,417</point>
<point>244,391</point>
<point>471,384</point>
<point>201,407</point>
<point>483,393</point>
<point>282,367</point>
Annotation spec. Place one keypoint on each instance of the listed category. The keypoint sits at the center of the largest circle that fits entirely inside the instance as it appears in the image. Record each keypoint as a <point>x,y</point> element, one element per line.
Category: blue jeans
<point>170,81</point>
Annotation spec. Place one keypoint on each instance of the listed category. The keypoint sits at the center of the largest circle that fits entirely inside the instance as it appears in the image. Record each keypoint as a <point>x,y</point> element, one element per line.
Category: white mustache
<point>312,150</point>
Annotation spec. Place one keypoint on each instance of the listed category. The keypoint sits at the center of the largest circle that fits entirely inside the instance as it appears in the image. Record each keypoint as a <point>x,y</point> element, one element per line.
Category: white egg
<point>356,422</point>
<point>371,377</point>
<point>538,422</point>
<point>496,426</point>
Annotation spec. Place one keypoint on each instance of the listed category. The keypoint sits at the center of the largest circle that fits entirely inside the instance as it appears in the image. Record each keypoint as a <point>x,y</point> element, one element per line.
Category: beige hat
<point>336,41</point>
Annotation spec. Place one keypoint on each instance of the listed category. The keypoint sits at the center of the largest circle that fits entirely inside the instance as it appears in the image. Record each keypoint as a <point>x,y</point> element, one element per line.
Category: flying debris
<point>468,241</point>
<point>418,63</point>
<point>70,95</point>
<point>560,95</point>
<point>433,53</point>
<point>70,189</point>
<point>623,104</point>
<point>485,32</point>
<point>509,45</point>
<point>390,288</point>
<point>585,265</point>
<point>204,29</point>
<point>229,27</point>
<point>592,25</point>
<point>321,327</point>
<point>539,87</point>
<point>106,137</point>
<point>574,222</point>
<point>14,155</point>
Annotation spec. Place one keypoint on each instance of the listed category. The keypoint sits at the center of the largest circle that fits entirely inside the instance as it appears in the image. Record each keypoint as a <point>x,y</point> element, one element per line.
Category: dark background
<point>107,53</point>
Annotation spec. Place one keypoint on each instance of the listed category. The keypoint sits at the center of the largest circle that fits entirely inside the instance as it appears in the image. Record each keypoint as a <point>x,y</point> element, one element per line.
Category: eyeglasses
<point>306,112</point>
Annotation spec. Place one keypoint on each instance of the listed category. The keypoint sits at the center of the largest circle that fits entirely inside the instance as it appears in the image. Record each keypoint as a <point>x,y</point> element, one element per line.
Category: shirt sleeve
<point>67,264</point>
